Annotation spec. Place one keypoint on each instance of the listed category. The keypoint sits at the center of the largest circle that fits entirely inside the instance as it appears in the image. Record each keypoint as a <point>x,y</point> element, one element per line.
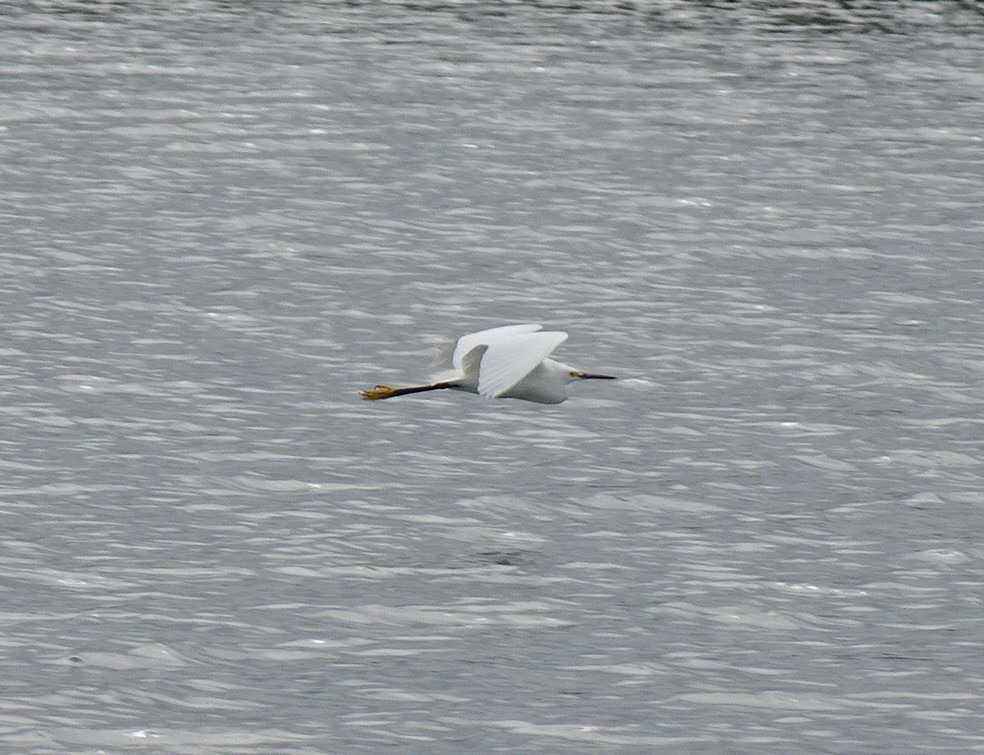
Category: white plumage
<point>511,361</point>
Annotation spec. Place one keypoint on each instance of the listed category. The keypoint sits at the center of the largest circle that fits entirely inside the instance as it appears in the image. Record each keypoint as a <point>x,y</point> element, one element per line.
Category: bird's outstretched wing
<point>488,337</point>
<point>512,357</point>
<point>471,367</point>
<point>449,364</point>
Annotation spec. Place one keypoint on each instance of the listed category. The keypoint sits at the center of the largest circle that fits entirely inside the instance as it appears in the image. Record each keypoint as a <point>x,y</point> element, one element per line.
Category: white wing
<point>471,367</point>
<point>490,336</point>
<point>509,360</point>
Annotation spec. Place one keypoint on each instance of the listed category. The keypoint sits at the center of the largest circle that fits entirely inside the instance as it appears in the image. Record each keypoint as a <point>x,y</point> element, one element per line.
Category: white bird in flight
<point>507,362</point>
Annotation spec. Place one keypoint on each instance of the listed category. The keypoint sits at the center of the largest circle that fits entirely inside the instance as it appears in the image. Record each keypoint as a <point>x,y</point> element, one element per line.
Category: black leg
<point>386,391</point>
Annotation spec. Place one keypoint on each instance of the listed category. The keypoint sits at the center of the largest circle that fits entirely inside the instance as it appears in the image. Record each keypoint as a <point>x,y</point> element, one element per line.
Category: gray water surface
<point>220,221</point>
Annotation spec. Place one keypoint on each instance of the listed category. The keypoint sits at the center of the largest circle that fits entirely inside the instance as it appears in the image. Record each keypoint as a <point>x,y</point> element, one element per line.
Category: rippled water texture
<point>219,221</point>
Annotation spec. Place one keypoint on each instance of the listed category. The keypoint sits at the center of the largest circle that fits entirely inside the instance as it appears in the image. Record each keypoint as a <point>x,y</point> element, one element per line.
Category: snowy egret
<point>507,362</point>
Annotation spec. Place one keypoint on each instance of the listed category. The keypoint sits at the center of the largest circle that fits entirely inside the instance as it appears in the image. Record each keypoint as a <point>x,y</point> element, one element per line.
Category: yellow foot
<point>379,392</point>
